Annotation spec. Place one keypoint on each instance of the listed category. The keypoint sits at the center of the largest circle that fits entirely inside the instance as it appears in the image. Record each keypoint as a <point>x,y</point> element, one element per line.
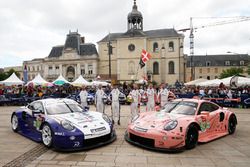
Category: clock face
<point>131,47</point>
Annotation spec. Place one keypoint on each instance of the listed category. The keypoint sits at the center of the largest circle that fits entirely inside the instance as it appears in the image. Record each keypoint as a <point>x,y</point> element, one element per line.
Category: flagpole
<point>137,72</point>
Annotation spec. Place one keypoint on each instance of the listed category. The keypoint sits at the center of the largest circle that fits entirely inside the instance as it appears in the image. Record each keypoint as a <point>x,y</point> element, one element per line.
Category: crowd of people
<point>156,94</point>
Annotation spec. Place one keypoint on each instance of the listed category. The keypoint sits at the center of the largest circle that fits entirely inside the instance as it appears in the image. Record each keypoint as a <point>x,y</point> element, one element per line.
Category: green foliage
<point>5,75</point>
<point>231,72</point>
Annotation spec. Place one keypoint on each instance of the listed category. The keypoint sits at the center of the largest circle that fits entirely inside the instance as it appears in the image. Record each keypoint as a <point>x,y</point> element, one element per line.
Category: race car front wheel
<point>47,137</point>
<point>191,137</point>
<point>14,123</point>
<point>232,122</point>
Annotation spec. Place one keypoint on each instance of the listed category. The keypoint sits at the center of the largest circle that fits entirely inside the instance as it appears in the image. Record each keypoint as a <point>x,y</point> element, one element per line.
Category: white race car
<point>63,124</point>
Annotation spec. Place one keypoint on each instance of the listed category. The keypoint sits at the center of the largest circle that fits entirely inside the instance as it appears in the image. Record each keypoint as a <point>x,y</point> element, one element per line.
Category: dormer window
<point>227,63</point>
<point>242,63</point>
<point>208,63</point>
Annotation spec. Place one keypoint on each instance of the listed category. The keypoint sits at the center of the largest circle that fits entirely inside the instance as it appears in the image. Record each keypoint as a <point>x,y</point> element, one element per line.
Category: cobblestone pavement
<point>233,150</point>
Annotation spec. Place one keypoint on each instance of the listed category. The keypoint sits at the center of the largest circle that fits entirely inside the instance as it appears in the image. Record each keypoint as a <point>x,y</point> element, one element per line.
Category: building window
<point>200,70</point>
<point>242,63</point>
<point>208,77</point>
<point>208,63</point>
<point>227,63</point>
<point>156,68</point>
<point>200,76</point>
<point>171,46</point>
<point>131,68</point>
<point>90,69</point>
<point>83,70</point>
<point>33,68</point>
<point>215,77</point>
<point>171,67</point>
<point>208,70</point>
<point>37,68</point>
<point>50,70</point>
<point>28,68</point>
<point>155,47</point>
<point>57,70</point>
<point>216,70</point>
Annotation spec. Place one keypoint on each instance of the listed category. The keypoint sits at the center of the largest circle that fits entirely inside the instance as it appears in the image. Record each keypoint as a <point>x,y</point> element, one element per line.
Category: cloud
<point>30,28</point>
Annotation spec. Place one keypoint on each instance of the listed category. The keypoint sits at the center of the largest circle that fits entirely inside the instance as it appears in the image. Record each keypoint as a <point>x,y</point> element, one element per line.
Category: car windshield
<point>63,108</point>
<point>181,107</point>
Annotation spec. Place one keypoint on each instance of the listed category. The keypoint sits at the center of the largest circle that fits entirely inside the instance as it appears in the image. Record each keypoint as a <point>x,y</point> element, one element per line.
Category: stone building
<point>164,45</point>
<point>72,59</point>
<point>211,66</point>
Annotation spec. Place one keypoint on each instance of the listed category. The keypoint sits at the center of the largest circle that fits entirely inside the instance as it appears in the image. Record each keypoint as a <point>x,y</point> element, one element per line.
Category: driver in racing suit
<point>99,99</point>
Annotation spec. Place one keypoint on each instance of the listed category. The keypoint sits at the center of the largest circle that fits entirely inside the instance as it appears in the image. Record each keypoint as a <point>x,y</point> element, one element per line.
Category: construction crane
<point>227,20</point>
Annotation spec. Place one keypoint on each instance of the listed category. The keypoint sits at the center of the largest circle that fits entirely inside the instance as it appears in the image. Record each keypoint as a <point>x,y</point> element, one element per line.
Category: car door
<point>33,116</point>
<point>208,121</point>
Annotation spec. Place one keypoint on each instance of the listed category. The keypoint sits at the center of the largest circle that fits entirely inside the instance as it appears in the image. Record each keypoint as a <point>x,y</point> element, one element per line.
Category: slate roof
<point>138,33</point>
<point>218,60</point>
<point>73,41</point>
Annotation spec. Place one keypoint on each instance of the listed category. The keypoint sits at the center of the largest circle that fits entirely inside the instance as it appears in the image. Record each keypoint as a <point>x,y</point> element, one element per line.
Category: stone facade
<point>211,66</point>
<point>72,59</point>
<point>164,45</point>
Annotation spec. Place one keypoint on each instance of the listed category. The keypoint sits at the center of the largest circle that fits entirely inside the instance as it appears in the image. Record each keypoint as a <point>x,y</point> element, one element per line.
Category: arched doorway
<point>70,73</point>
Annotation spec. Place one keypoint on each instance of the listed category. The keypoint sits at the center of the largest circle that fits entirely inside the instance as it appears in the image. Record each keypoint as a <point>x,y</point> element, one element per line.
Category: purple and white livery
<point>63,124</point>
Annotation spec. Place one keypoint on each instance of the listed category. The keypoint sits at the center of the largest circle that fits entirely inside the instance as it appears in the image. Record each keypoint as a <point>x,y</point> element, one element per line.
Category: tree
<point>231,72</point>
<point>5,75</point>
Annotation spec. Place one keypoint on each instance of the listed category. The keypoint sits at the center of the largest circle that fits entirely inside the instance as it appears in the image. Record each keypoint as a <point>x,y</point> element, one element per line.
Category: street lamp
<point>110,50</point>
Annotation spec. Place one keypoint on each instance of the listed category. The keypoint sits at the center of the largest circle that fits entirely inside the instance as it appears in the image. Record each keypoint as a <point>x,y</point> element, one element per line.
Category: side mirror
<point>204,113</point>
<point>35,112</point>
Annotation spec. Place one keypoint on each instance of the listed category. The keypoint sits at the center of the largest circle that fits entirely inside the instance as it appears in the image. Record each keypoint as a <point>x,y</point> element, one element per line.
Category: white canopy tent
<point>214,82</point>
<point>80,81</point>
<point>60,80</point>
<point>194,82</point>
<point>96,83</point>
<point>12,80</point>
<point>38,80</point>
<point>241,81</point>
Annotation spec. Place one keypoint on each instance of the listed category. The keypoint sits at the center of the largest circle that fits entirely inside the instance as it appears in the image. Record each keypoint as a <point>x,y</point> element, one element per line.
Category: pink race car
<point>181,123</point>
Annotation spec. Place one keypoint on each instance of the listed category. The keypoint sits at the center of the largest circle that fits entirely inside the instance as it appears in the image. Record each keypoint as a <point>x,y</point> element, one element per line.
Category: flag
<point>25,74</point>
<point>145,56</point>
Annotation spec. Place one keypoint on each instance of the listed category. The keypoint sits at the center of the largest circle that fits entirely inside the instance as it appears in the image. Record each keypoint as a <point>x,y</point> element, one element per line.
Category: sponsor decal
<point>136,128</point>
<point>98,129</point>
<point>204,124</point>
<point>38,122</point>
<point>59,133</point>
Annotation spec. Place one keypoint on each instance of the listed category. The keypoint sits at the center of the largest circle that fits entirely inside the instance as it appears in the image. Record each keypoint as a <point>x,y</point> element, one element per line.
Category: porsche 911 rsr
<point>63,124</point>
<point>181,124</point>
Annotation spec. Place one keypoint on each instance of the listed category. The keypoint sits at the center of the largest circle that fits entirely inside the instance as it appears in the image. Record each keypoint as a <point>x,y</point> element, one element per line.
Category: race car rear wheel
<point>14,123</point>
<point>191,137</point>
<point>232,122</point>
<point>47,135</point>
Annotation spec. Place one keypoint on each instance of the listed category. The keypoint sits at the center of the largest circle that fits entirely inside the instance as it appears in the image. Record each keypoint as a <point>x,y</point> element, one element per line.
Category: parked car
<point>180,124</point>
<point>63,124</point>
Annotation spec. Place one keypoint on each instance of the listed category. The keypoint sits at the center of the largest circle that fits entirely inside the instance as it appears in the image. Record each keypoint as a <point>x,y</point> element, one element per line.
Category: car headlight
<point>67,125</point>
<point>135,118</point>
<point>106,118</point>
<point>170,125</point>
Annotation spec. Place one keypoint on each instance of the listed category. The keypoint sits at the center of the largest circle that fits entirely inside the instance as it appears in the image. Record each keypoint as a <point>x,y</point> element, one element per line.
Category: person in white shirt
<point>99,99</point>
<point>83,97</point>
<point>151,98</point>
<point>163,95</point>
<point>136,96</point>
<point>115,106</point>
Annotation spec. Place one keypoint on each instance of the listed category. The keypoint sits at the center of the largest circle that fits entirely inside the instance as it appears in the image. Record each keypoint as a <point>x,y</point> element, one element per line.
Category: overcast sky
<point>29,28</point>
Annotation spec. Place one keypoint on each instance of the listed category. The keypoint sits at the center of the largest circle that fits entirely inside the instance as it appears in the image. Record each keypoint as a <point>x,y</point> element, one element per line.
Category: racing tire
<point>191,137</point>
<point>232,122</point>
<point>47,135</point>
<point>14,123</point>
